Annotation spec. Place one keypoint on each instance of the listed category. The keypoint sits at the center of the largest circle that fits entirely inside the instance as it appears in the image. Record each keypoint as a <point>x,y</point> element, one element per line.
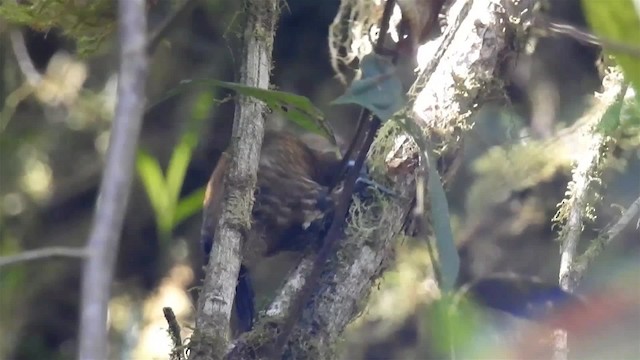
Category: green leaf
<point>189,206</point>
<point>379,89</point>
<point>447,251</point>
<point>295,108</point>
<point>153,181</point>
<point>183,152</point>
<point>454,325</point>
<point>177,168</point>
<point>618,20</point>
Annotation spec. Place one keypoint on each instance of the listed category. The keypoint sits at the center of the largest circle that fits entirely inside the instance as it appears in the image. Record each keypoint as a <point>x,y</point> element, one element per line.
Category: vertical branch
<point>576,206</point>
<point>218,291</point>
<point>116,181</point>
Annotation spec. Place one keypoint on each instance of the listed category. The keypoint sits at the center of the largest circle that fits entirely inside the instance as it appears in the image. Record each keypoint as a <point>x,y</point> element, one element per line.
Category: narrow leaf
<point>153,181</point>
<point>447,251</point>
<point>176,170</point>
<point>189,206</point>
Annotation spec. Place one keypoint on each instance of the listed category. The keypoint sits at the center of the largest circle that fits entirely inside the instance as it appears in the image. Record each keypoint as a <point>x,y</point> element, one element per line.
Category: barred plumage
<point>292,201</point>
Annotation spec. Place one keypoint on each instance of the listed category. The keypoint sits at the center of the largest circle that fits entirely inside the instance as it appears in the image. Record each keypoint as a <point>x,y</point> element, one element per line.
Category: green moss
<point>213,346</point>
<point>240,209</point>
<point>87,23</point>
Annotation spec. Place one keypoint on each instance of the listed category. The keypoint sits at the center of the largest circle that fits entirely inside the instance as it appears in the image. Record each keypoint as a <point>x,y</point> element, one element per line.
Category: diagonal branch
<point>587,163</point>
<point>599,244</point>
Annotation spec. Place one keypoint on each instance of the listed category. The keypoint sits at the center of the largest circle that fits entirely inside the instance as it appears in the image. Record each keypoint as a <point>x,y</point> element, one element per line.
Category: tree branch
<point>218,290</point>
<point>587,164</point>
<point>163,29</point>
<point>25,64</point>
<point>116,182</point>
<point>547,27</point>
<point>177,350</point>
<point>471,54</point>
<point>42,253</point>
<point>599,244</point>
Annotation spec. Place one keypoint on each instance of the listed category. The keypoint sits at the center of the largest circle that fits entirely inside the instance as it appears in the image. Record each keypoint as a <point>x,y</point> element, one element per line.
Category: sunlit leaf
<point>379,90</point>
<point>618,20</point>
<point>153,180</point>
<point>177,168</point>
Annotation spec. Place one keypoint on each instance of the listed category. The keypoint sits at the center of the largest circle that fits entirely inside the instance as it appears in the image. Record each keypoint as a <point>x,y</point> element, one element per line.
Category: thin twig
<point>174,333</point>
<point>116,181</point>
<point>598,245</point>
<point>548,27</point>
<point>157,35</point>
<point>43,253</point>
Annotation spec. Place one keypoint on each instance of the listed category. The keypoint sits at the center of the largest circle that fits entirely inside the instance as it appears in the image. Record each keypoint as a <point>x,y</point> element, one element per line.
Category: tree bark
<point>116,182</point>
<point>218,290</point>
<point>464,68</point>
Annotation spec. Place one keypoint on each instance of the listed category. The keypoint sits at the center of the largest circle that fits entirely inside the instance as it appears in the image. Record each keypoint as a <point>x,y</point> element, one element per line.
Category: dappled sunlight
<point>37,178</point>
<point>154,341</point>
<point>62,81</point>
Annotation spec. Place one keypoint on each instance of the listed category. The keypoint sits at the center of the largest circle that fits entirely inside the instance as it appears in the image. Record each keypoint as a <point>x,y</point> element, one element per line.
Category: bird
<point>294,196</point>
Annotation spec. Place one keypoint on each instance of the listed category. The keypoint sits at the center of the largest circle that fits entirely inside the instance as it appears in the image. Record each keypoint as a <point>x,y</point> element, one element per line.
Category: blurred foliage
<point>504,170</point>
<point>619,21</point>
<point>164,190</point>
<point>88,23</point>
<point>453,324</point>
<point>61,85</point>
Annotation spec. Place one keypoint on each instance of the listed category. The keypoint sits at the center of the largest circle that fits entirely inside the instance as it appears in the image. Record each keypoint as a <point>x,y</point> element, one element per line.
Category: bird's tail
<point>244,301</point>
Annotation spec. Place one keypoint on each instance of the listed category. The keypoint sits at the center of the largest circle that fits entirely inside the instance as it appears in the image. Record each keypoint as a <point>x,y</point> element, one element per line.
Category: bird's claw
<point>363,182</point>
